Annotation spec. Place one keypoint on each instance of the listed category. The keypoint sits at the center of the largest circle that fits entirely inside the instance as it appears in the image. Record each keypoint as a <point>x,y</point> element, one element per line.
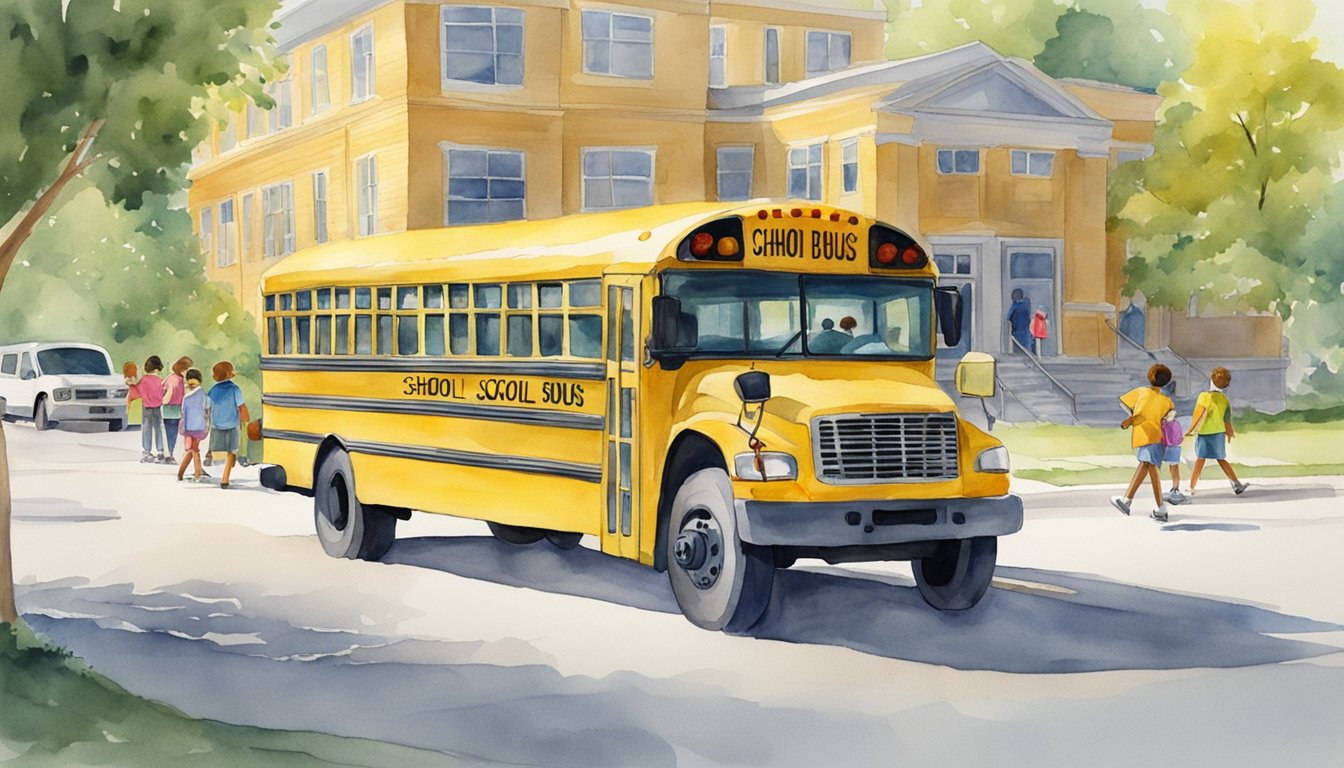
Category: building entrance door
<point>1032,269</point>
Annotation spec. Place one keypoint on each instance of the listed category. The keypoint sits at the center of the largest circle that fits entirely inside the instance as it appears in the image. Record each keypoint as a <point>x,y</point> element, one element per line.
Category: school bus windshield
<point>760,314</point>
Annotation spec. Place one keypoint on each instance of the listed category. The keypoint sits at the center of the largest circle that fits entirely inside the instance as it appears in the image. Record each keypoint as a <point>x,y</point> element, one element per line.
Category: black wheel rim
<point>337,506</point>
<point>698,549</point>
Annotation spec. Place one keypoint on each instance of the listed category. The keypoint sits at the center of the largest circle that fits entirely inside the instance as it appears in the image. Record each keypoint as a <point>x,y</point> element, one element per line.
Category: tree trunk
<point>8,612</point>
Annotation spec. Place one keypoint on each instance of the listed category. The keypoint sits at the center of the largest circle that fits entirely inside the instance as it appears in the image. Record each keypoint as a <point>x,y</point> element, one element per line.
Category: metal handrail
<point>1189,366</point>
<point>1073,399</point>
<point>1124,336</point>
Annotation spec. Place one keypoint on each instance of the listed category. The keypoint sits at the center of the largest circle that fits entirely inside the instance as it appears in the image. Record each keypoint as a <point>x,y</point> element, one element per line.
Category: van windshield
<point>770,314</point>
<point>72,361</point>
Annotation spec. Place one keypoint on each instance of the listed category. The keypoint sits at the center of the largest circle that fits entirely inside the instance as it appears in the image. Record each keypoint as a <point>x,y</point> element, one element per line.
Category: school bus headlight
<point>992,460</point>
<point>64,393</point>
<point>777,466</point>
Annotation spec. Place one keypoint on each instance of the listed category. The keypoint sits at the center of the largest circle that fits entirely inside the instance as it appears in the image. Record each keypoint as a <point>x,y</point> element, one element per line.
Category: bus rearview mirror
<point>947,302</point>
<point>753,387</point>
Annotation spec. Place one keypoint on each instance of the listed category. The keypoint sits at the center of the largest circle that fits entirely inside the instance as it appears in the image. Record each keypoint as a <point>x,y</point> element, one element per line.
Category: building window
<point>482,45</point>
<point>249,253</point>
<point>827,51</point>
<point>718,57</point>
<point>207,235</point>
<point>228,246</point>
<point>277,219</point>
<point>1033,163</point>
<point>734,172</point>
<point>849,164</point>
<point>617,44</point>
<point>484,185</point>
<point>805,172</point>
<point>228,133</point>
<point>617,178</point>
<point>256,121</point>
<point>321,85</point>
<point>282,114</point>
<point>953,263</point>
<point>1127,155</point>
<point>953,161</point>
<point>320,206</point>
<point>361,65</point>
<point>772,56</point>
<point>366,191</point>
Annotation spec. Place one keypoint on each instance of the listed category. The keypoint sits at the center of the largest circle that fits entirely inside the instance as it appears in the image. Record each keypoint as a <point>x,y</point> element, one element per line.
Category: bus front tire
<point>958,574</point>
<point>720,581</point>
<point>346,527</point>
<point>517,535</point>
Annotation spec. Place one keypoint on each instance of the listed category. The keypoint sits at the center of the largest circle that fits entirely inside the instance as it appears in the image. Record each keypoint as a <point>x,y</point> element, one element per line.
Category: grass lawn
<point>1286,445</point>
<point>55,711</point>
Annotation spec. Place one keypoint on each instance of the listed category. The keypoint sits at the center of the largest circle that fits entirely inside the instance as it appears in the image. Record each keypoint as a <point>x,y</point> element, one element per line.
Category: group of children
<point>178,404</point>
<point>1157,437</point>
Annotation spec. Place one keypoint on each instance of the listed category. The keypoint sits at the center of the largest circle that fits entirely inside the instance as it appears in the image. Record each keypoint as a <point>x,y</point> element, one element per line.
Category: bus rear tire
<point>346,527</point>
<point>517,535</point>
<point>720,581</point>
<point>958,574</point>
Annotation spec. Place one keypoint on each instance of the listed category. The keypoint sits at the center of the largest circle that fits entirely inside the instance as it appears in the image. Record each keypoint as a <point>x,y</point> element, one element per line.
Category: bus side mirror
<point>753,387</point>
<point>673,333</point>
<point>947,301</point>
<point>976,375</point>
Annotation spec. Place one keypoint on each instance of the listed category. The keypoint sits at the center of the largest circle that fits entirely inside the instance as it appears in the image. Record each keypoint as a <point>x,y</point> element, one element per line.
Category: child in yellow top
<point>1212,425</point>
<point>1148,406</point>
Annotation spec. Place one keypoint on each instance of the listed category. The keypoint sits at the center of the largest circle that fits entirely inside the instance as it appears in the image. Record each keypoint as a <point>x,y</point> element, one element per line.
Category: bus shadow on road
<point>1033,621</point>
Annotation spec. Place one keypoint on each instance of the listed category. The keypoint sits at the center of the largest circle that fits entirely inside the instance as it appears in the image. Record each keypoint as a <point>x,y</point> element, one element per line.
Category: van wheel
<point>517,535</point>
<point>116,425</point>
<point>720,581</point>
<point>40,420</point>
<point>958,573</point>
<point>346,527</point>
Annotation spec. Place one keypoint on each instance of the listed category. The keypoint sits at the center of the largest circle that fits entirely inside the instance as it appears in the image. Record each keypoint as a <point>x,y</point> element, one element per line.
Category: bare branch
<point>1249,138</point>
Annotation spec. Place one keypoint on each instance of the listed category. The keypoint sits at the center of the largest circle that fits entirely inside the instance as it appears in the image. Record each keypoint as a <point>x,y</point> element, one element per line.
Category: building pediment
<point>1005,88</point>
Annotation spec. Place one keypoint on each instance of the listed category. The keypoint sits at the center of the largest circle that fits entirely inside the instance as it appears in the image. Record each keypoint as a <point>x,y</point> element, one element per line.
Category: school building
<point>410,114</point>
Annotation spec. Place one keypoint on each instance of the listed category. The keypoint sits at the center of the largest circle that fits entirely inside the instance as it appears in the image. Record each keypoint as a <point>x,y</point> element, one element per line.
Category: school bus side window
<point>322,322</point>
<point>434,320</point>
<point>585,330</point>
<point>487,296</point>
<point>408,320</point>
<point>520,323</point>
<point>341,344</point>
<point>363,321</point>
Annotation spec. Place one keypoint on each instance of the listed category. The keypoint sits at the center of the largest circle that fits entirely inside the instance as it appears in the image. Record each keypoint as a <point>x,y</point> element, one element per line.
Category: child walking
<point>228,417</point>
<point>1172,437</point>
<point>1212,426</point>
<point>193,425</point>
<point>150,387</point>
<point>173,390</point>
<point>1148,406</point>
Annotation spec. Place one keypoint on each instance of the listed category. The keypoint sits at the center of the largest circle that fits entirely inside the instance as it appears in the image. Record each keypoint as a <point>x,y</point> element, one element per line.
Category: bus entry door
<point>620,533</point>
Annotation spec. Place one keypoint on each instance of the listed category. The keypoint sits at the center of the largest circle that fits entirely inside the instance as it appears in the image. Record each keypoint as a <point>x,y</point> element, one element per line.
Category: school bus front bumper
<point>883,521</point>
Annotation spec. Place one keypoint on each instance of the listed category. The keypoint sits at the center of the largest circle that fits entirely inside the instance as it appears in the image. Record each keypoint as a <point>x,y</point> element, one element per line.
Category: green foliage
<point>131,281</point>
<point>1011,27</point>
<point>1116,41</point>
<point>58,712</point>
<point>145,67</point>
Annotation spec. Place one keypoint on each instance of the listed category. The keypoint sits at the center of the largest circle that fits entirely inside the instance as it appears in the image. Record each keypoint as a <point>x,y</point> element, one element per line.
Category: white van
<point>49,382</point>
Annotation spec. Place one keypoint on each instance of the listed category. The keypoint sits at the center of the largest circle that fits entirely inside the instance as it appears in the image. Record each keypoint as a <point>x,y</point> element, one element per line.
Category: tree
<point>1011,27</point>
<point>1116,41</point>
<point>113,90</point>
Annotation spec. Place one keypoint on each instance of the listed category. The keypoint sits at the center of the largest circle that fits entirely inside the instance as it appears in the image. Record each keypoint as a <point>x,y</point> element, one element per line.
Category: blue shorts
<point>1171,454</point>
<point>1211,446</point>
<point>1152,453</point>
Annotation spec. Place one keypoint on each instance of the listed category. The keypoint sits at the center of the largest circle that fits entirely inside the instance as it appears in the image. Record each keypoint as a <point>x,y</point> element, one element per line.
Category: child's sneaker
<point>1121,503</point>
<point>145,458</point>
<point>1238,487</point>
<point>1160,513</point>
<point>169,459</point>
<point>207,461</point>
<point>1174,496</point>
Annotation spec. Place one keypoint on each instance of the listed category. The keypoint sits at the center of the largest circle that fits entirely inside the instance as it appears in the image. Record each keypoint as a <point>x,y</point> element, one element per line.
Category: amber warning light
<point>716,241</point>
<point>892,249</point>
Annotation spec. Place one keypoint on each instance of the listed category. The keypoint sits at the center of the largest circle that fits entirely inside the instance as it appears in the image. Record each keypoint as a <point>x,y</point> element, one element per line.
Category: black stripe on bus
<point>591,473</point>
<point>330,363</point>
<point>532,416</point>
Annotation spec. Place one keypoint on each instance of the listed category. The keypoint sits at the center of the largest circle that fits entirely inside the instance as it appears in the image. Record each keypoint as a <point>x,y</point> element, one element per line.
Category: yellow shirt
<point>1149,406</point>
<point>1215,407</point>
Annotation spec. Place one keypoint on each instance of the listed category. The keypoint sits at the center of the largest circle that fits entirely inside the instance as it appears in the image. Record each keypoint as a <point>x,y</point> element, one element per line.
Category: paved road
<point>1213,639</point>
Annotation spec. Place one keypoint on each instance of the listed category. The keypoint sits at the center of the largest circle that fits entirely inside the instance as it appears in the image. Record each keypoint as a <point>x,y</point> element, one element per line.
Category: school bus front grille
<point>884,447</point>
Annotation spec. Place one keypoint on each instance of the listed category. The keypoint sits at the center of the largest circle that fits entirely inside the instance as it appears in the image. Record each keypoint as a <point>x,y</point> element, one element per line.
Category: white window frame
<point>319,80</point>
<point>369,59</point>
<point>848,147</point>
<point>719,152</point>
<point>257,121</point>
<point>952,153</point>
<point>228,245</point>
<point>1028,156</point>
<point>448,148</point>
<point>366,194</point>
<point>494,25</point>
<point>718,78</point>
<point>207,223</point>
<point>282,114</point>
<point>248,229</point>
<point>831,37</point>
<point>228,133</point>
<point>611,40</point>
<point>814,186</point>
<point>321,187</point>
<point>277,207</point>
<point>611,178</point>
<point>765,63</point>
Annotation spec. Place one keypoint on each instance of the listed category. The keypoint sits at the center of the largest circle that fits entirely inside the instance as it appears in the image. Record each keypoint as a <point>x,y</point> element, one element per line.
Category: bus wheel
<point>719,581</point>
<point>564,539</point>
<point>346,527</point>
<point>517,535</point>
<point>958,573</point>
<point>40,420</point>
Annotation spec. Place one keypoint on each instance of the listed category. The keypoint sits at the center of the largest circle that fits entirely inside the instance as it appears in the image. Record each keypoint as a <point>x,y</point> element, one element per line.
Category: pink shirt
<point>174,386</point>
<point>151,390</point>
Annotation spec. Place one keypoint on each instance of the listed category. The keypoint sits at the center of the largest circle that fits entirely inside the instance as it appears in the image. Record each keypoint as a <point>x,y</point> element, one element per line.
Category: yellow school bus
<point>714,390</point>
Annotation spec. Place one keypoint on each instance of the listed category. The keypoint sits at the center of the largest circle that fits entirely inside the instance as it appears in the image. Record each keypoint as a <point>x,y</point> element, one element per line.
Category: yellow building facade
<point>404,114</point>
